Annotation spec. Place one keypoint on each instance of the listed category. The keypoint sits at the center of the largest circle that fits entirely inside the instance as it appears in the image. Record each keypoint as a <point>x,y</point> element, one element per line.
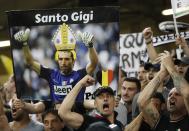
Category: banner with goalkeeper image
<point>53,49</point>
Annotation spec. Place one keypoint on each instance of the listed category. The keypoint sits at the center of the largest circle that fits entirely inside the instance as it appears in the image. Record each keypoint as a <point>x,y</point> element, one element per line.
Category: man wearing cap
<point>104,103</point>
<point>63,80</point>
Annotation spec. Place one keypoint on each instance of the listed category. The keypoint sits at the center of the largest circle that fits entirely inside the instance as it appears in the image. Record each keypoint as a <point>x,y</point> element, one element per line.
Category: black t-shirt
<point>161,125</point>
<point>89,120</point>
<point>182,124</point>
<point>129,117</point>
<point>144,127</point>
<point>166,125</point>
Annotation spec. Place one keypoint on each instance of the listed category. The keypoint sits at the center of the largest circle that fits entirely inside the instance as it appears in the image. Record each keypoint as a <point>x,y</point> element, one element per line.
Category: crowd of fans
<point>156,100</point>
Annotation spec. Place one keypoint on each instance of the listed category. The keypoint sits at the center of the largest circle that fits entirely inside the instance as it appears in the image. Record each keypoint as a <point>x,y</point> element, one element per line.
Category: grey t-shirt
<point>32,126</point>
<point>135,107</point>
<point>122,113</point>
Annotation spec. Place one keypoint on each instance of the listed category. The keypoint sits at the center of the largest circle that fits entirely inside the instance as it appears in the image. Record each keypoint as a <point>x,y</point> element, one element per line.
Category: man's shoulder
<point>11,124</point>
<point>121,107</point>
<point>81,70</point>
<point>36,125</point>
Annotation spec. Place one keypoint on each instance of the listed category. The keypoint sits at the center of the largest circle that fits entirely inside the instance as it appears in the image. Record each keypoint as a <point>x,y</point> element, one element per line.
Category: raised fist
<point>87,81</point>
<point>181,41</point>
<point>86,38</point>
<point>147,34</point>
<point>22,36</point>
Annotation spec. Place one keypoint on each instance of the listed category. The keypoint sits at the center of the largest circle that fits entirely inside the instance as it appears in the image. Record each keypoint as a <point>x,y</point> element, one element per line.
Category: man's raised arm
<point>182,42</point>
<point>135,124</point>
<point>148,34</point>
<point>73,119</point>
<point>179,82</point>
<point>22,36</point>
<point>88,39</point>
<point>150,113</point>
<point>38,107</point>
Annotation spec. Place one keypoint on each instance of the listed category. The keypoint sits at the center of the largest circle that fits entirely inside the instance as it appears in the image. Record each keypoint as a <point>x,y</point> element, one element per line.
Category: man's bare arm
<point>73,119</point>
<point>182,42</point>
<point>179,81</point>
<point>135,124</point>
<point>150,113</point>
<point>147,34</point>
<point>38,107</point>
<point>151,88</point>
<point>89,104</point>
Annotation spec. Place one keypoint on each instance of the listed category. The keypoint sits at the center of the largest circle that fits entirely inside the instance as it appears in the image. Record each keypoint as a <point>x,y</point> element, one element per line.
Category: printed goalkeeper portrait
<point>63,80</point>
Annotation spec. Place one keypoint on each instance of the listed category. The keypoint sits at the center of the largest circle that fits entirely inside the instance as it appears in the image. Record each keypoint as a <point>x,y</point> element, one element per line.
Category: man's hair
<point>69,51</point>
<point>155,67</point>
<point>135,80</point>
<point>142,63</point>
<point>159,96</point>
<point>51,111</point>
<point>72,52</point>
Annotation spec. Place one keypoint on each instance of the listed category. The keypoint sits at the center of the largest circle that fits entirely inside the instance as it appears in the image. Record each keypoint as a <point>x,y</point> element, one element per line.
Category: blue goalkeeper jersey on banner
<point>60,84</point>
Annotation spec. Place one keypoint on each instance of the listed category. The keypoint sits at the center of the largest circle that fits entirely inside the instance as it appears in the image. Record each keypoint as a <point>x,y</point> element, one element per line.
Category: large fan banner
<point>133,49</point>
<point>53,49</point>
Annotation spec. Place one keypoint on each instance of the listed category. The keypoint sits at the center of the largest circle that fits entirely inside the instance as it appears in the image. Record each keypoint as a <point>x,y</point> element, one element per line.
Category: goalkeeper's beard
<point>66,71</point>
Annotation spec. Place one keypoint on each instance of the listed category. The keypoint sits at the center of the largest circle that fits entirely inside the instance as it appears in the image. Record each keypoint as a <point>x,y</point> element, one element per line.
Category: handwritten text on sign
<point>132,51</point>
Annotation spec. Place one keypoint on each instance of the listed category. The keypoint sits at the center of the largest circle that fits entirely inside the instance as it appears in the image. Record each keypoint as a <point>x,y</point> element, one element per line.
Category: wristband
<point>25,43</point>
<point>148,41</point>
<point>90,45</point>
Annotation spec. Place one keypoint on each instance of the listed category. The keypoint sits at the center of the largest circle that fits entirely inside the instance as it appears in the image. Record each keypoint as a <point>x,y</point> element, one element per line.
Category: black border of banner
<point>27,18</point>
